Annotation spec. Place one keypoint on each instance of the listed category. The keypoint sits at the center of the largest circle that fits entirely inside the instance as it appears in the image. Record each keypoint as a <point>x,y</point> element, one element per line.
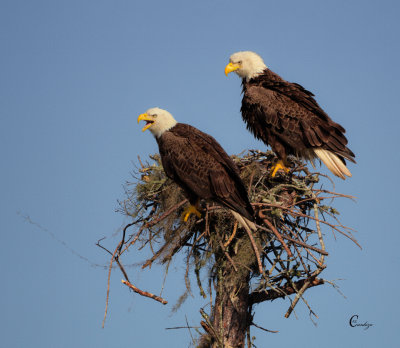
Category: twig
<point>287,289</point>
<point>257,253</point>
<point>150,261</point>
<point>140,161</point>
<point>227,256</point>
<point>182,327</point>
<point>193,341</point>
<point>232,235</point>
<point>261,328</point>
<point>134,239</point>
<point>144,293</point>
<point>315,273</point>
<point>299,293</point>
<point>168,212</point>
<point>321,240</point>
<point>276,233</point>
<point>208,327</point>
<point>123,235</point>
<point>108,281</point>
<point>334,227</point>
<point>307,246</point>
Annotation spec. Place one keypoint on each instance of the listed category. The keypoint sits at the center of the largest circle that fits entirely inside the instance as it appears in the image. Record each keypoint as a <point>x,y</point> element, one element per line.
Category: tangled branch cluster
<point>286,254</point>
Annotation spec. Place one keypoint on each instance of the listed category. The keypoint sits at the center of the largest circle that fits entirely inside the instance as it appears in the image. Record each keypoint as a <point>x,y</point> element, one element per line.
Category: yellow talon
<point>279,165</point>
<point>191,209</point>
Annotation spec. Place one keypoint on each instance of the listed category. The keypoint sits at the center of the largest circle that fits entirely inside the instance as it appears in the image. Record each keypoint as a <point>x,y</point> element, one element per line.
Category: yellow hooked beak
<point>231,67</point>
<point>148,119</point>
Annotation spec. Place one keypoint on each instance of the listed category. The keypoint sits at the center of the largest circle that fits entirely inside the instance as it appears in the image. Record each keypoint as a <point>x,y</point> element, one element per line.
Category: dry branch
<point>286,290</point>
<point>144,293</point>
<point>276,233</point>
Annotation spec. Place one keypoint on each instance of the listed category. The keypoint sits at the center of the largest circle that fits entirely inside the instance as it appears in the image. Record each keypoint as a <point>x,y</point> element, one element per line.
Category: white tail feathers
<point>333,162</point>
<point>246,223</point>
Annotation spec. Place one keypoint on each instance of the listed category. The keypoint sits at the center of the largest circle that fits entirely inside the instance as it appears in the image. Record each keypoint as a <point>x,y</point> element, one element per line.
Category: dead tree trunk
<point>231,317</point>
<point>231,313</point>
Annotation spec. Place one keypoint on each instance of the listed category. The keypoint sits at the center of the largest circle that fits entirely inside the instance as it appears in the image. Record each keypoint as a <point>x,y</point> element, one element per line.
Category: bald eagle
<point>286,116</point>
<point>199,165</point>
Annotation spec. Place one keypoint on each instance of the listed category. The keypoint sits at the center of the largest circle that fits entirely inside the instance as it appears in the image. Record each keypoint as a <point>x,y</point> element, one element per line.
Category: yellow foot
<point>279,165</point>
<point>191,209</point>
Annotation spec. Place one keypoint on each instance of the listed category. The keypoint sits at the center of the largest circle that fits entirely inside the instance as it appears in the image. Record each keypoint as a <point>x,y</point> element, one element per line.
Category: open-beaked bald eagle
<point>199,165</point>
<point>286,116</point>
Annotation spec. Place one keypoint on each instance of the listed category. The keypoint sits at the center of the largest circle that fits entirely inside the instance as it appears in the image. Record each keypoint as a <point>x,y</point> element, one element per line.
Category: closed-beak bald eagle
<point>199,165</point>
<point>286,116</point>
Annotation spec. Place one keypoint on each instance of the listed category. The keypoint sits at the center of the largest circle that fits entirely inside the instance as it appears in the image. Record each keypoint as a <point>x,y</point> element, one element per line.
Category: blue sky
<point>74,76</point>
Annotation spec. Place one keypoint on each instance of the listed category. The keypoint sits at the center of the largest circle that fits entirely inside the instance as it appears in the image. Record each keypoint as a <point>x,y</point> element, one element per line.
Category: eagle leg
<point>191,209</point>
<point>279,165</point>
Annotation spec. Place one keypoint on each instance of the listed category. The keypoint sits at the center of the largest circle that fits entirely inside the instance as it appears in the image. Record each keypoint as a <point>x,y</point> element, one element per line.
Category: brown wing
<point>196,162</point>
<point>291,116</point>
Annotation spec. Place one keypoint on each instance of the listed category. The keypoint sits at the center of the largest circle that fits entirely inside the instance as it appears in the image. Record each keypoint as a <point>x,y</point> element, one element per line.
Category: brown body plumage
<point>286,116</point>
<point>201,167</point>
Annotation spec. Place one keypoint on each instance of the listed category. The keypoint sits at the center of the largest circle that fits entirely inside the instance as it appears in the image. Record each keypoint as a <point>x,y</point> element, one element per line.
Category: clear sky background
<point>74,76</point>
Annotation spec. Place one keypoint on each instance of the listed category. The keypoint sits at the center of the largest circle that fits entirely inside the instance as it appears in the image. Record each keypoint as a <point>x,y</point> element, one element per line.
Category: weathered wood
<point>230,317</point>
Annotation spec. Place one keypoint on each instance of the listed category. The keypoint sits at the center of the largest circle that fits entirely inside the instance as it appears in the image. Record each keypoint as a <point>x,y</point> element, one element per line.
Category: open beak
<point>231,67</point>
<point>149,121</point>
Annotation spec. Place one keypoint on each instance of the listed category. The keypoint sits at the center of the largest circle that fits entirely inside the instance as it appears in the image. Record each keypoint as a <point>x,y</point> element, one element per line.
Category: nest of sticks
<point>286,254</point>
